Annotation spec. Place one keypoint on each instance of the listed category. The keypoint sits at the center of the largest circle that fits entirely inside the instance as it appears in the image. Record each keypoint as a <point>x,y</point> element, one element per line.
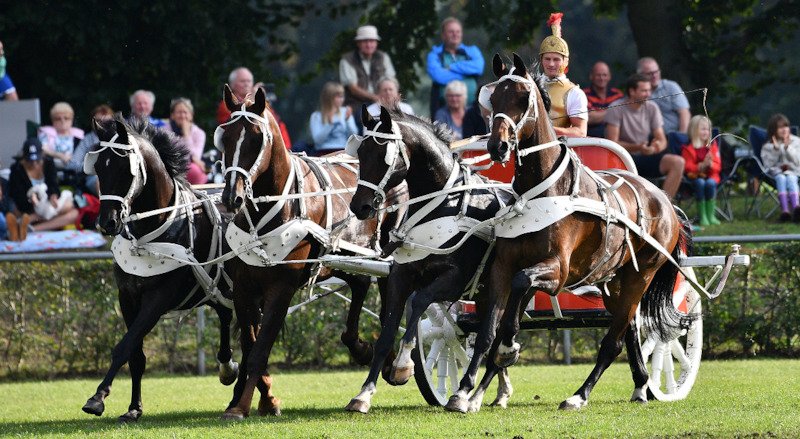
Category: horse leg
<point>504,389</point>
<point>136,365</point>
<point>636,362</point>
<point>228,369</point>
<point>248,314</point>
<point>268,404</point>
<point>398,290</point>
<point>544,276</point>
<point>360,350</point>
<point>140,322</point>
<point>440,289</point>
<point>499,279</point>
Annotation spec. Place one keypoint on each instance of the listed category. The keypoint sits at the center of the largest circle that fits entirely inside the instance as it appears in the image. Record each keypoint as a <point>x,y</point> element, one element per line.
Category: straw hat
<point>367,32</point>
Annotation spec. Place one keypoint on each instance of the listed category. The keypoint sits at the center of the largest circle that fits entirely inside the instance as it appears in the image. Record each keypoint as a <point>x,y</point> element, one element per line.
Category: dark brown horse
<point>297,229</point>
<point>141,170</point>
<point>586,231</point>
<point>400,147</point>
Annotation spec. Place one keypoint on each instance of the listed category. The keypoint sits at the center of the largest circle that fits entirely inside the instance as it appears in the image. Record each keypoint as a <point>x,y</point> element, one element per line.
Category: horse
<point>397,148</point>
<point>276,239</point>
<point>572,227</point>
<point>141,172</point>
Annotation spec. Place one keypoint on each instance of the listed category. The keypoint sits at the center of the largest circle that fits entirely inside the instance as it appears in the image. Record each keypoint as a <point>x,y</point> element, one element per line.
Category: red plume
<point>555,18</point>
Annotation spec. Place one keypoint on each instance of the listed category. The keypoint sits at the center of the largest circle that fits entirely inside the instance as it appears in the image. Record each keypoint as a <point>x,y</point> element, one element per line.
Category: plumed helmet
<point>554,43</point>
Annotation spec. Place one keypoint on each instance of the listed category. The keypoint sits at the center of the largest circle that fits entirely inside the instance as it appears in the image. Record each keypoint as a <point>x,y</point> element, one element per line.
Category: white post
<point>201,353</point>
<point>567,333</point>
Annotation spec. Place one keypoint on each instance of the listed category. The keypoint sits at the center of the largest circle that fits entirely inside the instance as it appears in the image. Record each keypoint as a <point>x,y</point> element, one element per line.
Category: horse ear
<point>261,102</point>
<point>122,133</point>
<point>227,96</point>
<point>386,119</point>
<point>519,66</point>
<point>365,116</point>
<point>498,67</point>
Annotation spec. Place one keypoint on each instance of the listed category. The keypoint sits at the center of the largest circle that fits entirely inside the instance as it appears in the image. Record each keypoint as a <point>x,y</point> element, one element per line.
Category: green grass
<point>730,398</point>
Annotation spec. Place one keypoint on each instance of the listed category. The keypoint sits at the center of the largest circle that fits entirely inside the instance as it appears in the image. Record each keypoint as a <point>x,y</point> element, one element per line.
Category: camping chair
<point>760,202</point>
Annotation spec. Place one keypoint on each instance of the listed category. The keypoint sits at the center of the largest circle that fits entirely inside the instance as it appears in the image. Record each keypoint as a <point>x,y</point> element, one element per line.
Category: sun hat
<point>367,32</point>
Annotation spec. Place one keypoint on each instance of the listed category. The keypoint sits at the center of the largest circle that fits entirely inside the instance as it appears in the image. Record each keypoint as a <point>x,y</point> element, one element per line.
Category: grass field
<point>730,398</point>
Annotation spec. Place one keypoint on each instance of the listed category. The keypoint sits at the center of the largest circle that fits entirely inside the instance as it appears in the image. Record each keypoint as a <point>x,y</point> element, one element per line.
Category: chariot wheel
<point>673,364</point>
<point>440,356</point>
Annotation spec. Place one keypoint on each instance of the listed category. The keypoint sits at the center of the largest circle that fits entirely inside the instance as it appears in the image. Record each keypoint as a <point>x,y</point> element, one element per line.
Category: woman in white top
<point>333,123</point>
<point>781,156</point>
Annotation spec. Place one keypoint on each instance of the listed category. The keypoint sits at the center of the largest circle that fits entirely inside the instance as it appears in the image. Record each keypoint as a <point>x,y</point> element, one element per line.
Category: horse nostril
<point>237,202</point>
<point>503,148</point>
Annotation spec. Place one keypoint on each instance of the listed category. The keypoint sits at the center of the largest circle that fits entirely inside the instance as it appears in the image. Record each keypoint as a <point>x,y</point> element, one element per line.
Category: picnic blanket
<point>61,240</point>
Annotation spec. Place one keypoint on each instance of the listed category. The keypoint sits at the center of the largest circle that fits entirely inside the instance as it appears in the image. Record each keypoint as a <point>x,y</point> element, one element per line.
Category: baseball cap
<point>32,149</point>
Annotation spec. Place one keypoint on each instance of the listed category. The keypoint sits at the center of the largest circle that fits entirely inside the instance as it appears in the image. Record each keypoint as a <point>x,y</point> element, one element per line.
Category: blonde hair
<point>185,101</point>
<point>327,105</point>
<point>694,129</point>
<point>62,108</point>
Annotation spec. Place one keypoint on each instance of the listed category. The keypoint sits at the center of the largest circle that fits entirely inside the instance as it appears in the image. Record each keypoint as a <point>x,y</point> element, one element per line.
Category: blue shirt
<point>466,65</point>
<point>669,106</point>
<point>332,136</point>
<point>443,115</point>
<point>6,86</point>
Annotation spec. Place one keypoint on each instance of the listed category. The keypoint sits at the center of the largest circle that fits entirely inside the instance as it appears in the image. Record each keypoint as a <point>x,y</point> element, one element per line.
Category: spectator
<point>781,156</point>
<point>702,167</point>
<point>60,140</point>
<point>568,106</point>
<point>142,102</point>
<point>475,119</point>
<point>452,60</point>
<point>361,70</point>
<point>453,114</point>
<point>333,123</point>
<point>7,90</point>
<point>633,123</point>
<point>668,95</point>
<point>181,122</point>
<point>32,170</point>
<point>599,96</point>
<point>7,216</point>
<point>241,81</point>
<point>100,112</point>
<point>389,97</point>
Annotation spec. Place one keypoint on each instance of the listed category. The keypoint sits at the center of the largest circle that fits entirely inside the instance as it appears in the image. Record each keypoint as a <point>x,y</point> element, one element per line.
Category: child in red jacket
<point>702,167</point>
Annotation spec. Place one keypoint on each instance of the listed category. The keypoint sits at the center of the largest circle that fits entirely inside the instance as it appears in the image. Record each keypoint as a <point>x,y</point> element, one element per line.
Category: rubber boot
<point>711,211</point>
<point>783,198</point>
<point>794,202</point>
<point>701,208</point>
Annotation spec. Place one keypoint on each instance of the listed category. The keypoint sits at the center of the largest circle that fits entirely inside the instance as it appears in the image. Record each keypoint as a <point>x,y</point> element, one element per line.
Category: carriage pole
<point>201,353</point>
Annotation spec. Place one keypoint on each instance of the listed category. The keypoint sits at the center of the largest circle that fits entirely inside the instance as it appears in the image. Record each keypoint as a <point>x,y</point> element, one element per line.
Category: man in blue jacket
<point>453,60</point>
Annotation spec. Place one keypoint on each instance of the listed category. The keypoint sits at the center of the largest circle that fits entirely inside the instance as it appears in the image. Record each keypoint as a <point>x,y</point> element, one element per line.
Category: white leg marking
<point>476,400</point>
<point>574,402</point>
<point>639,394</point>
<point>403,359</point>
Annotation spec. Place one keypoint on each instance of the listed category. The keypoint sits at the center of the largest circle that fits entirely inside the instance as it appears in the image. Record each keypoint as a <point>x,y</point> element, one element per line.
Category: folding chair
<point>764,189</point>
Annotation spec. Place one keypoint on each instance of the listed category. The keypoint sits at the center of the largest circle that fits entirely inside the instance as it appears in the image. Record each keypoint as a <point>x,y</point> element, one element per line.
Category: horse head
<point>383,161</point>
<point>514,101</point>
<point>121,170</point>
<point>246,142</point>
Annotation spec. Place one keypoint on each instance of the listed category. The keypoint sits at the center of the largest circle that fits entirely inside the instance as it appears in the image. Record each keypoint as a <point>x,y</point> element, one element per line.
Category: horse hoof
<point>228,374</point>
<point>500,402</point>
<point>401,375</point>
<point>506,359</point>
<point>574,402</point>
<point>639,396</point>
<point>130,417</point>
<point>456,404</point>
<point>474,407</point>
<point>271,411</point>
<point>269,407</point>
<point>357,405</point>
<point>234,414</point>
<point>94,407</point>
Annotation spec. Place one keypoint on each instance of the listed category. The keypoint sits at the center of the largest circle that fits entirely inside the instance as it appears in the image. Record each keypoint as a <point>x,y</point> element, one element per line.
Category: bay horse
<point>397,148</point>
<point>141,172</point>
<point>573,227</point>
<point>269,236</point>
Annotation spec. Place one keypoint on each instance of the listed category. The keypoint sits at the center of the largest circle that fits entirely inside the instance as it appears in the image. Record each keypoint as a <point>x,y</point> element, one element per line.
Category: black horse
<point>140,170</point>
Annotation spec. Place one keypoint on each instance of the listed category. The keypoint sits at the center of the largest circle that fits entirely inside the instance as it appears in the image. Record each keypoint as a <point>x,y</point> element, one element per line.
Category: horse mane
<point>540,79</point>
<point>439,130</point>
<point>171,149</point>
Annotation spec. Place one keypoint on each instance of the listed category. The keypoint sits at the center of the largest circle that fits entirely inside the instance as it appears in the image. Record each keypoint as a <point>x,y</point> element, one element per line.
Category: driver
<point>568,107</point>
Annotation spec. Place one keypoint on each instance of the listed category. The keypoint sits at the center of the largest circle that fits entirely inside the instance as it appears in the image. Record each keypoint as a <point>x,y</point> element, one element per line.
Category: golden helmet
<point>554,43</point>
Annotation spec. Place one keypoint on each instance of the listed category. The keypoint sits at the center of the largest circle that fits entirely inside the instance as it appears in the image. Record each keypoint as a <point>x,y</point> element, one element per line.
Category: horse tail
<point>657,309</point>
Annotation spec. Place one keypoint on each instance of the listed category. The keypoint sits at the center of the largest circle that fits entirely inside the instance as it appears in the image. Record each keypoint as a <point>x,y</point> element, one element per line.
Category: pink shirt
<point>196,142</point>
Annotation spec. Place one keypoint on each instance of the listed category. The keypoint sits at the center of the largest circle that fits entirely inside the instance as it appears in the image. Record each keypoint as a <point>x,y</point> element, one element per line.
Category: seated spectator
<point>702,167</point>
<point>100,112</point>
<point>7,90</point>
<point>600,96</point>
<point>453,60</point>
<point>333,123</point>
<point>60,140</point>
<point>452,114</point>
<point>389,97</point>
<point>9,228</point>
<point>361,69</point>
<point>781,156</point>
<point>636,125</point>
<point>668,95</point>
<point>475,119</point>
<point>48,209</point>
<point>142,102</point>
<point>181,117</point>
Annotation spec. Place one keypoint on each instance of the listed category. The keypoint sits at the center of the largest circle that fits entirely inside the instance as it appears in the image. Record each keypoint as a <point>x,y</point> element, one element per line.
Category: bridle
<point>137,169</point>
<point>235,168</point>
<point>395,147</point>
<point>516,127</point>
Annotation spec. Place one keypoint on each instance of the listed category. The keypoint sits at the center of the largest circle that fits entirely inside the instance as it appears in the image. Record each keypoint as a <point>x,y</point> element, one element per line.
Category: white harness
<point>137,169</point>
<point>394,147</point>
<point>484,99</point>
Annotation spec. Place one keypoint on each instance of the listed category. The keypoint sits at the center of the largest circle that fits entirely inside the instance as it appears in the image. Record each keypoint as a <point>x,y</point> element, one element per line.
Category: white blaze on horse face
<point>236,153</point>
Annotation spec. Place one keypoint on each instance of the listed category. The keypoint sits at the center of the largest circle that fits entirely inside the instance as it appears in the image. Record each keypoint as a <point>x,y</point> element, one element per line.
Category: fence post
<point>567,342</point>
<point>201,353</point>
